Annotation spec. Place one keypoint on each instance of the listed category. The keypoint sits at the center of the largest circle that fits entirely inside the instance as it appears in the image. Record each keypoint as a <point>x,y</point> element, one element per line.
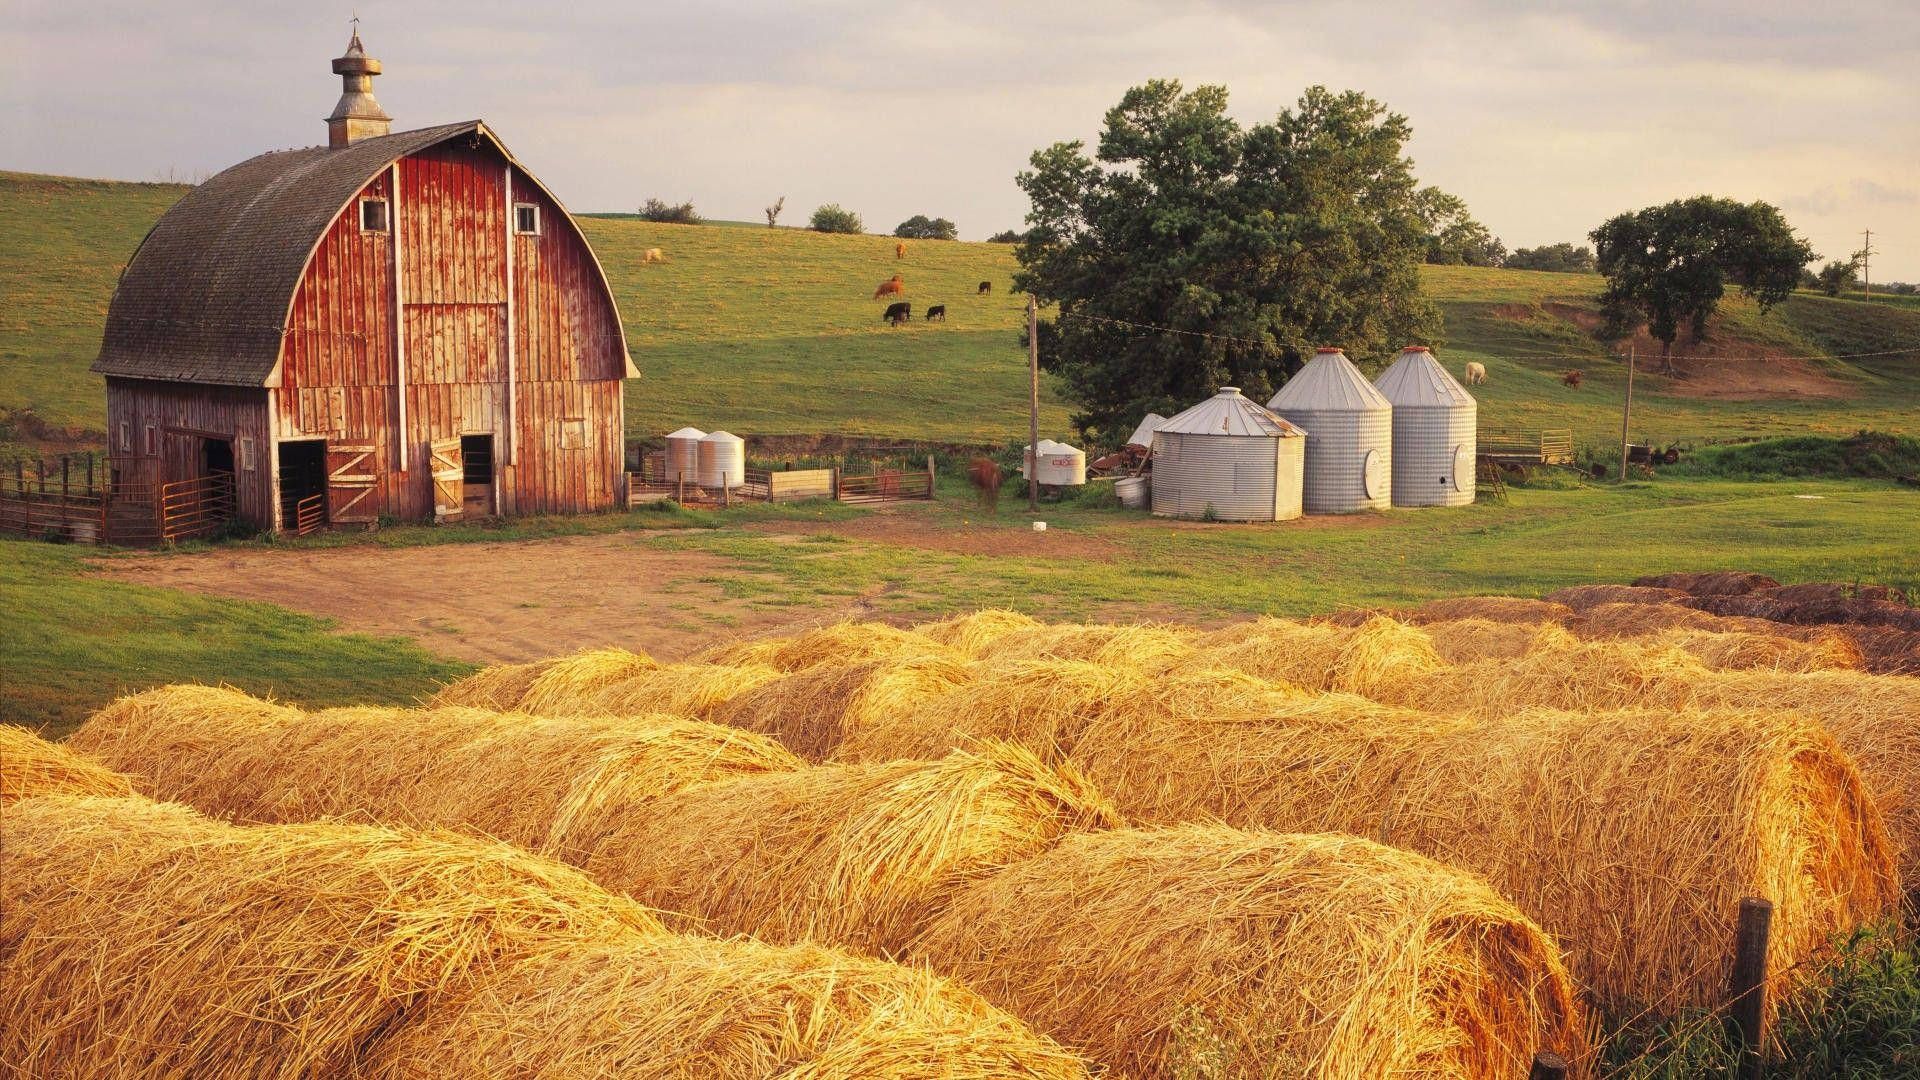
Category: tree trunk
<point>1666,357</point>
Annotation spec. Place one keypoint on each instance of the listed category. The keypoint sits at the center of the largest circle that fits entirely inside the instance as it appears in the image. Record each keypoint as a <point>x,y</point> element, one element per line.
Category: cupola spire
<point>357,116</point>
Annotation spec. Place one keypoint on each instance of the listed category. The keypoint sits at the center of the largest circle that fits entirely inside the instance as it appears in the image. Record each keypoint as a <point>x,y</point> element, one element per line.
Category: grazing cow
<point>900,250</point>
<point>1476,374</point>
<point>985,289</point>
<point>937,311</point>
<point>986,478</point>
<point>898,313</point>
<point>1573,378</point>
<point>893,287</point>
<point>653,255</point>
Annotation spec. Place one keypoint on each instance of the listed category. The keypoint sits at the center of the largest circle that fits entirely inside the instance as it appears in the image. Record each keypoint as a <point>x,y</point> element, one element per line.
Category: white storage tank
<point>1349,461</point>
<point>1434,426</point>
<point>1229,459</point>
<point>722,460</point>
<point>683,455</point>
<point>1060,465</point>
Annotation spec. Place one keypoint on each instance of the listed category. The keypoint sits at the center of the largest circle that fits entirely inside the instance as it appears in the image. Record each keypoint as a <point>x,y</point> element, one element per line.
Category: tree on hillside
<point>1004,236</point>
<point>1454,238</point>
<point>1562,258</point>
<point>922,227</point>
<point>1190,253</point>
<point>660,210</point>
<point>1837,277</point>
<point>1668,266</point>
<point>773,212</point>
<point>831,218</point>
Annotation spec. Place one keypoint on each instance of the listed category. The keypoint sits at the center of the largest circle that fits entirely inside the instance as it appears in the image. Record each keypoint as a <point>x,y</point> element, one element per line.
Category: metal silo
<point>1229,459</point>
<point>683,455</point>
<point>1349,460</point>
<point>722,459</point>
<point>1434,425</point>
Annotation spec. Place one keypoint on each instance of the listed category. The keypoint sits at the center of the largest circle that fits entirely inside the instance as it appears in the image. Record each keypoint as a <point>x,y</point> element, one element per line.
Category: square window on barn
<point>573,434</point>
<point>373,216</point>
<point>526,219</point>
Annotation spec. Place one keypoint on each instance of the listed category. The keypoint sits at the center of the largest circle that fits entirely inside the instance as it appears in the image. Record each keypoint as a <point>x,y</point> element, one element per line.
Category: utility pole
<point>1626,416</point>
<point>1033,404</point>
<point>1866,261</point>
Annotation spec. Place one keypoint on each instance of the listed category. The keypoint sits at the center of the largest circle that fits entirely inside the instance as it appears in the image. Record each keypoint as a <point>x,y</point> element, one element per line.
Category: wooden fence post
<point>930,476</point>
<point>65,463</point>
<point>1747,1007</point>
<point>1548,1065</point>
<point>726,495</point>
<point>89,472</point>
<point>833,478</point>
<point>40,466</point>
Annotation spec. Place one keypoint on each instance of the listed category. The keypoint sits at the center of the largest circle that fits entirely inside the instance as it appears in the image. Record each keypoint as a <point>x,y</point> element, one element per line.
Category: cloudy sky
<point>1546,117</point>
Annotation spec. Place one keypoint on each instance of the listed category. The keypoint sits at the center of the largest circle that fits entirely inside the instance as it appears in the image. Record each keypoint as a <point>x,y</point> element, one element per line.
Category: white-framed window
<point>246,454</point>
<point>126,437</point>
<point>573,433</point>
<point>526,218</point>
<point>153,440</point>
<point>373,216</point>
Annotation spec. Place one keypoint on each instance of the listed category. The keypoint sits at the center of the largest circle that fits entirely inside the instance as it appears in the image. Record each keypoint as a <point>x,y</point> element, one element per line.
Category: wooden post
<point>726,495</point>
<point>1033,404</point>
<point>1626,416</point>
<point>40,466</point>
<point>1747,1007</point>
<point>930,476</point>
<point>833,479</point>
<point>65,488</point>
<point>90,472</point>
<point>1548,1065</point>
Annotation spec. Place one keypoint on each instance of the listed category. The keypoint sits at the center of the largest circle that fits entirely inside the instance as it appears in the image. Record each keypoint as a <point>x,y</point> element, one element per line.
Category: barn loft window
<point>526,219</point>
<point>373,215</point>
<point>246,455</point>
<point>153,440</point>
<point>126,437</point>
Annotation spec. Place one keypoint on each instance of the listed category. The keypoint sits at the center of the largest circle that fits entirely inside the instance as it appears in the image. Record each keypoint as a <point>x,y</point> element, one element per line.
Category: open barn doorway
<point>303,485</point>
<point>476,462</point>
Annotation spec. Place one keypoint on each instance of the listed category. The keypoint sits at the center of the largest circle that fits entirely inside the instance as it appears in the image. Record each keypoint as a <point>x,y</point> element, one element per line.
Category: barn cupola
<point>357,116</point>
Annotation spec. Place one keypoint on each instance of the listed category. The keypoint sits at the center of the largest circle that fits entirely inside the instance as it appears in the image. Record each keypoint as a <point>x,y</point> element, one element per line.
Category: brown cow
<point>986,477</point>
<point>985,289</point>
<point>893,287</point>
<point>900,250</point>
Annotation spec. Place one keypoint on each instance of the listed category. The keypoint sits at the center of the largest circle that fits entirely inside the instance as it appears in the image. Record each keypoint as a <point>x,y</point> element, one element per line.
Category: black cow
<point>937,311</point>
<point>986,289</point>
<point>897,313</point>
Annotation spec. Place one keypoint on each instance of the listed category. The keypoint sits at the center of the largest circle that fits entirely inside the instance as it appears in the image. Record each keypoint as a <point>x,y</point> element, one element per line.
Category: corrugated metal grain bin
<point>1434,425</point>
<point>1349,461</point>
<point>683,455</point>
<point>722,460</point>
<point>1229,459</point>
<point>1061,465</point>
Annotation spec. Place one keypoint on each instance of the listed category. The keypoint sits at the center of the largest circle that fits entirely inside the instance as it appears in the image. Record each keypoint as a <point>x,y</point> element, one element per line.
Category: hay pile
<point>840,643</point>
<point>1709,583</point>
<point>1581,676</point>
<point>1496,608</point>
<point>1464,641</point>
<point>812,711</point>
<point>143,735</point>
<point>1207,951</point>
<point>971,635</point>
<point>1582,597</point>
<point>693,690</point>
<point>553,686</point>
<point>1147,647</point>
<point>1369,659</point>
<point>30,766</point>
<point>1630,836</point>
<point>1744,651</point>
<point>858,855</point>
<point>1638,620</point>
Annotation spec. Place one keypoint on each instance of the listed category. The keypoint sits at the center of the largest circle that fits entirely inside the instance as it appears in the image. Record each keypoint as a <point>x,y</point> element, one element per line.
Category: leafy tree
<point>832,219</point>
<point>1454,238</point>
<point>773,211</point>
<point>1668,266</point>
<point>1563,258</point>
<point>1004,236</point>
<point>659,210</point>
<point>1836,277</point>
<point>1268,240</point>
<point>921,227</point>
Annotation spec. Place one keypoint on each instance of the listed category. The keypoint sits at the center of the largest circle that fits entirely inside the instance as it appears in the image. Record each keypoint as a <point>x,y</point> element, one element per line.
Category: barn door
<point>350,480</point>
<point>449,479</point>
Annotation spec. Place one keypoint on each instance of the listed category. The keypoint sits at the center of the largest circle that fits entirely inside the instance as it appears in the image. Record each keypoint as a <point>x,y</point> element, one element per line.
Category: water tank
<point>1060,465</point>
<point>722,460</point>
<point>1228,459</point>
<point>683,455</point>
<point>1350,454</point>
<point>1434,426</point>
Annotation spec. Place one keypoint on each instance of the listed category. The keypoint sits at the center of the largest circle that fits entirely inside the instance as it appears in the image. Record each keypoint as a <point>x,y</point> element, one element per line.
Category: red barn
<point>405,325</point>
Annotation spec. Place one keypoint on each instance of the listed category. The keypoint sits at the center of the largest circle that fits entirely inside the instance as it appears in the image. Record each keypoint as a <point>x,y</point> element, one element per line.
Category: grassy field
<point>773,331</point>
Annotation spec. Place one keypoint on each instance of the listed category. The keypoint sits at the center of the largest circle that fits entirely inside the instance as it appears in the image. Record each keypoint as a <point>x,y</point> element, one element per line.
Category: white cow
<point>1476,374</point>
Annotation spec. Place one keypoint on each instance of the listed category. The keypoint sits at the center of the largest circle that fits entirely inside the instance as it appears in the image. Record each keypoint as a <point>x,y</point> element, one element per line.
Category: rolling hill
<point>772,331</point>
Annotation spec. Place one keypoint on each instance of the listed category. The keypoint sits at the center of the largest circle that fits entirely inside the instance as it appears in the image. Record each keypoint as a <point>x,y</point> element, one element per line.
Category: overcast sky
<point>1546,117</point>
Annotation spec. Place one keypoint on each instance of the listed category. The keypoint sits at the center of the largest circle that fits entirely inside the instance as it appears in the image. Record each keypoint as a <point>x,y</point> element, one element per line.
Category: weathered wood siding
<point>181,414</point>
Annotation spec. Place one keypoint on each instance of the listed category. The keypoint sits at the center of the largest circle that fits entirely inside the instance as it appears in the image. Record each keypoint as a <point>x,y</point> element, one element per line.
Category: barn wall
<point>190,410</point>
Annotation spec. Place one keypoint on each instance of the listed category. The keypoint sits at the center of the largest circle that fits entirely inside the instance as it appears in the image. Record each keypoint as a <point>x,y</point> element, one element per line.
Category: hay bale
<point>571,680</point>
<point>1497,608</point>
<point>692,690</point>
<point>30,766</point>
<point>1146,646</point>
<point>1738,651</point>
<point>143,736</point>
<point>1207,951</point>
<point>858,855</point>
<point>1817,592</point>
<point>1463,641</point>
<point>1609,621</point>
<point>1576,676</point>
<point>498,687</point>
<point>679,1006</point>
<point>137,936</point>
<point>812,711</point>
<point>973,634</point>
<point>1630,836</point>
<point>1885,650</point>
<point>839,643</point>
<point>1367,659</point>
<point>1709,583</point>
<point>1582,597</point>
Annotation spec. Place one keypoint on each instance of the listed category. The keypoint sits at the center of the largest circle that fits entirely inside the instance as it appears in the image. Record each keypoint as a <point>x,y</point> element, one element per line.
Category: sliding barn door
<point>350,482</point>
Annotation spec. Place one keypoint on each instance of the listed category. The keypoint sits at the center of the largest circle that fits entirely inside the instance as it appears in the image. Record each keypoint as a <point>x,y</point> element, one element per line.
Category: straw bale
<point>30,766</point>
<point>1709,583</point>
<point>1886,651</point>
<point>693,690</point>
<point>1604,621</point>
<point>499,687</point>
<point>1207,951</point>
<point>1577,676</point>
<point>858,855</point>
<point>1463,641</point>
<point>572,679</point>
<point>973,634</point>
<point>839,643</point>
<point>1367,659</point>
<point>1582,597</point>
<point>141,938</point>
<point>685,1007</point>
<point>141,735</point>
<point>1631,836</point>
<point>1812,592</point>
<point>1150,647</point>
<point>1739,651</point>
<point>1497,608</point>
<point>812,711</point>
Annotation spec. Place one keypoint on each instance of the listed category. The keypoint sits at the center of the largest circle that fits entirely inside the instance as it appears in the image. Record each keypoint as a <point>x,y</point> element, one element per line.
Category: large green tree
<point>1190,252</point>
<point>1669,266</point>
<point>1454,238</point>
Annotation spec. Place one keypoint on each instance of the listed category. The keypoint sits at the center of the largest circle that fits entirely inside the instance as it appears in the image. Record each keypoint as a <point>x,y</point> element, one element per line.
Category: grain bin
<point>722,460</point>
<point>1349,459</point>
<point>1434,424</point>
<point>1230,459</point>
<point>1060,465</point>
<point>683,455</point>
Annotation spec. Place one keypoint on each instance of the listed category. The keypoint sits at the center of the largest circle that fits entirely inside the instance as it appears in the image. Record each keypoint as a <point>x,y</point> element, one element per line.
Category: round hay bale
<point>1739,651</point>
<point>1576,676</point>
<point>973,634</point>
<point>134,933</point>
<point>1038,704</point>
<point>1207,951</point>
<point>1709,583</point>
<point>1463,641</point>
<point>839,643</point>
<point>30,766</point>
<point>812,711</point>
<point>1146,646</point>
<point>144,735</point>
<point>693,690</point>
<point>677,1006</point>
<point>571,681</point>
<point>1609,621</point>
<point>1582,597</point>
<point>1497,608</point>
<point>1885,650</point>
<point>1631,836</point>
<point>498,687</point>
<point>1371,658</point>
<point>1816,592</point>
<point>857,855</point>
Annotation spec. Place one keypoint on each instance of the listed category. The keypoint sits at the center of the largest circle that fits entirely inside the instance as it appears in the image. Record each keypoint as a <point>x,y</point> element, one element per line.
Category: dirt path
<point>488,602</point>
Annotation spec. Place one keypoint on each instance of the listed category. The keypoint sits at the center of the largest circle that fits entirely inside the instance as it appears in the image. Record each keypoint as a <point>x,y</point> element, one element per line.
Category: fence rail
<point>310,514</point>
<point>188,509</point>
<point>1553,446</point>
<point>886,486</point>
